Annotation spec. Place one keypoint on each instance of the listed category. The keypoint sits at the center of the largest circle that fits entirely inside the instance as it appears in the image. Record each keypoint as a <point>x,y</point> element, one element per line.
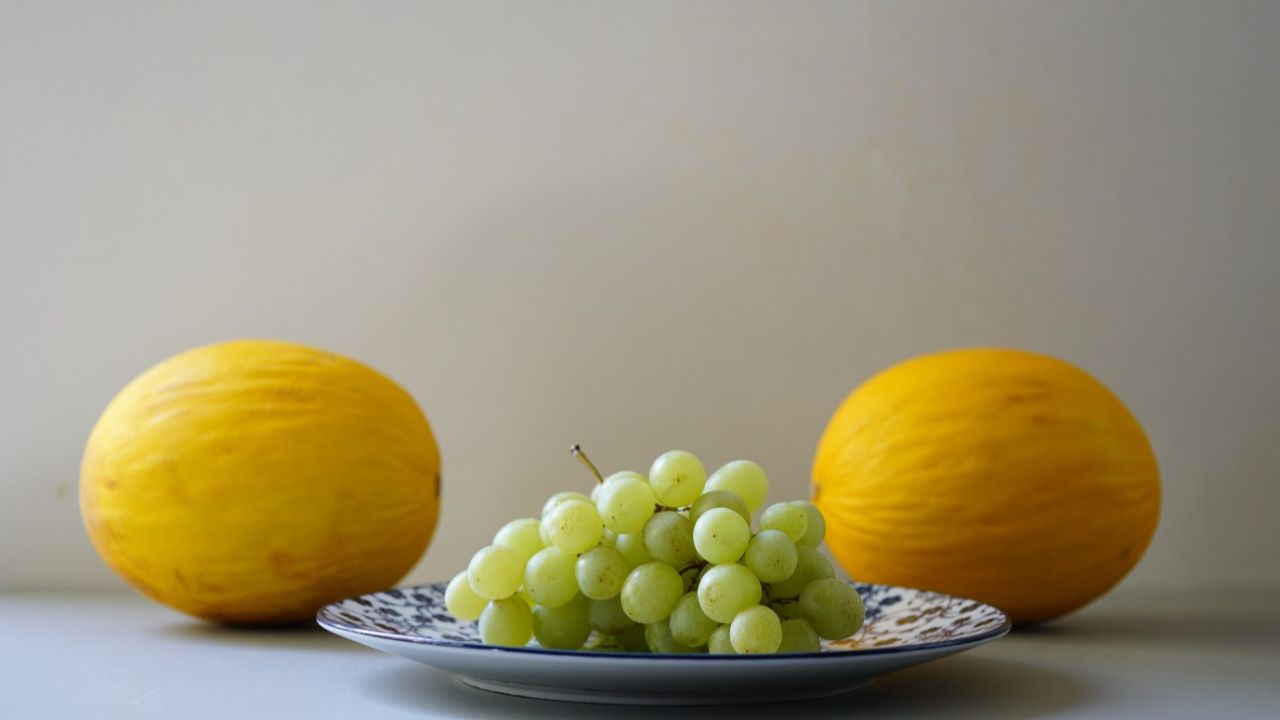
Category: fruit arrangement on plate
<point>255,481</point>
<point>663,563</point>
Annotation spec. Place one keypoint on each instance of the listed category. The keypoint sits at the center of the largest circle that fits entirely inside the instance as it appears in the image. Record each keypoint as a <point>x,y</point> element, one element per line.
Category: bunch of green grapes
<point>664,563</point>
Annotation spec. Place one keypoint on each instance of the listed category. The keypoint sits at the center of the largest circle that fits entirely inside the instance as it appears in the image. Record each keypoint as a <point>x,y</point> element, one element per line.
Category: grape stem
<point>770,600</point>
<point>577,452</point>
<point>696,565</point>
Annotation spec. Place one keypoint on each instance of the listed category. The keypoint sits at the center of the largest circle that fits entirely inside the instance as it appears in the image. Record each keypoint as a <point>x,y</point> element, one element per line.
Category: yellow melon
<point>1007,476</point>
<point>255,481</point>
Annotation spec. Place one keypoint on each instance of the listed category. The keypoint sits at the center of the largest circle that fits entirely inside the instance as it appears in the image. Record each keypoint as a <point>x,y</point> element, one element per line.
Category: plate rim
<point>330,622</point>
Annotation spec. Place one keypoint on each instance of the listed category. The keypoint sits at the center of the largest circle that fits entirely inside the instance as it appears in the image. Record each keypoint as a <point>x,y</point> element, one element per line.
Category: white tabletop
<point>114,655</point>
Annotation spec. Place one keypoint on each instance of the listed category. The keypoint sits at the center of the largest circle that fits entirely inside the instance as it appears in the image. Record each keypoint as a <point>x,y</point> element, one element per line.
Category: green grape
<point>816,526</point>
<point>523,536</point>
<point>651,592</point>
<point>595,491</point>
<point>632,639</point>
<point>719,643</point>
<point>559,498</point>
<point>668,536</point>
<point>659,639</point>
<point>632,548</point>
<point>745,478</point>
<point>574,526</point>
<point>785,517</point>
<point>810,566</point>
<point>549,577</point>
<point>677,478</point>
<point>506,622</point>
<point>717,499</point>
<point>607,616</point>
<point>721,536</point>
<point>798,637</point>
<point>832,607</point>
<point>494,572</point>
<point>608,538</point>
<point>756,630</point>
<point>461,601</point>
<point>626,503</point>
<point>601,572</point>
<point>564,627</point>
<point>689,625</point>
<point>524,595</point>
<point>788,610</point>
<point>771,556</point>
<point>726,590</point>
<point>689,578</point>
<point>543,536</point>
<point>623,475</point>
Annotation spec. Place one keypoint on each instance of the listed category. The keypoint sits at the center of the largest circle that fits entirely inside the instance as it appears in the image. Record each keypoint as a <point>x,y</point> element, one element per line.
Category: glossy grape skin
<point>816,527</point>
<point>756,630</point>
<point>798,636</point>
<point>668,537</point>
<point>677,478</point>
<point>721,536</point>
<point>719,643</point>
<point>461,601</point>
<point>626,503</point>
<point>726,590</point>
<point>595,491</point>
<point>607,616</point>
<point>551,577</point>
<point>632,548</point>
<point>559,498</point>
<point>660,640</point>
<point>771,556</point>
<point>832,607</point>
<point>787,518</point>
<point>506,622</point>
<point>622,475</point>
<point>743,477</point>
<point>600,572</point>
<point>495,572</point>
<point>810,566</point>
<point>651,592</point>
<point>523,536</point>
<point>562,628</point>
<point>716,499</point>
<point>688,624</point>
<point>574,526</point>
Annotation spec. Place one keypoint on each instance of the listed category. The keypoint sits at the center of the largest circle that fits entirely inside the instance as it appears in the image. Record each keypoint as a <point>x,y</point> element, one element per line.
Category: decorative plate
<point>904,627</point>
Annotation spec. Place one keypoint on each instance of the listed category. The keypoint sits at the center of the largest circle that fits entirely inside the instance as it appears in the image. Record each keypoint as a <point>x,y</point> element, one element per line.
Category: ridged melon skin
<point>254,481</point>
<point>1007,476</point>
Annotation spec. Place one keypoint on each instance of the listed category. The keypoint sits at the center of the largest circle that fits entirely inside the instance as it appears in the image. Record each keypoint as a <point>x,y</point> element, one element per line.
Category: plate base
<point>565,694</point>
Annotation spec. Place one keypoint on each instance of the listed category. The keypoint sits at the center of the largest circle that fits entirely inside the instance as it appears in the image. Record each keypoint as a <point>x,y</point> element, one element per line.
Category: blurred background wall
<point>640,226</point>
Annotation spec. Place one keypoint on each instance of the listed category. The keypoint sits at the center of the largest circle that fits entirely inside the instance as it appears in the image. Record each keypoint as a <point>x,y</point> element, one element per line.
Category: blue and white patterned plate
<point>904,627</point>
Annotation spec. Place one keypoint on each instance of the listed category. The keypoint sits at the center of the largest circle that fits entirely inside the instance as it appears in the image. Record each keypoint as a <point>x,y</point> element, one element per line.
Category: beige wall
<point>646,225</point>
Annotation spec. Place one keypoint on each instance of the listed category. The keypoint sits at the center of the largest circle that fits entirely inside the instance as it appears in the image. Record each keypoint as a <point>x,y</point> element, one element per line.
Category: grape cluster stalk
<point>666,562</point>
